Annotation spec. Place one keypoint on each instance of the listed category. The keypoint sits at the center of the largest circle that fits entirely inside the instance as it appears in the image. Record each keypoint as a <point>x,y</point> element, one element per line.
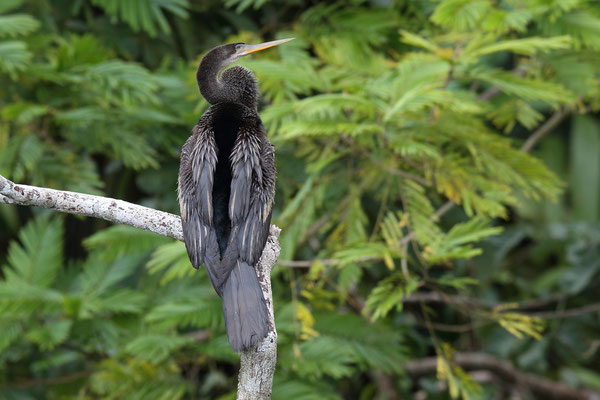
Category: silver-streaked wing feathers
<point>196,177</point>
<point>252,191</point>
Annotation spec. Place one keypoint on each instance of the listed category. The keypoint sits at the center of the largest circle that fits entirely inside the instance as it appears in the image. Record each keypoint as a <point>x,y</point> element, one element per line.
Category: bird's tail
<point>244,308</point>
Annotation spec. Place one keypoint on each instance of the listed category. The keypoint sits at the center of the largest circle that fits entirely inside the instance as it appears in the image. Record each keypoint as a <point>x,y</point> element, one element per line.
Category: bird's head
<point>237,83</point>
<point>230,53</point>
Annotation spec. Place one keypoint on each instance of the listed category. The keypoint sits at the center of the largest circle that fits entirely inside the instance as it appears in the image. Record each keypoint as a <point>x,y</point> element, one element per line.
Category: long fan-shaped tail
<point>244,308</point>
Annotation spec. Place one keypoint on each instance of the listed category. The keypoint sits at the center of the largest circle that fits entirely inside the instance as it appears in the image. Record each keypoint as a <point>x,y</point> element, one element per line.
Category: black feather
<point>244,308</point>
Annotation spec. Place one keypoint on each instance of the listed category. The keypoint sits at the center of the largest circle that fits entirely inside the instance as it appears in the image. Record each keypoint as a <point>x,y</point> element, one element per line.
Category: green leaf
<point>14,57</point>
<point>21,297</point>
<point>39,256</point>
<point>325,128</point>
<point>527,89</point>
<point>155,347</point>
<point>460,15</point>
<point>507,20</point>
<point>460,384</point>
<point>15,25</point>
<point>507,114</point>
<point>118,301</point>
<point>116,241</point>
<point>526,46</point>
<point>457,242</point>
<point>390,293</point>
<point>99,276</point>
<point>418,41</point>
<point>11,331</point>
<point>322,356</point>
<point>121,83</point>
<point>50,335</point>
<point>137,379</point>
<point>583,27</point>
<point>200,313</point>
<point>147,15</point>
<point>375,346</point>
<point>362,252</point>
<point>23,113</point>
<point>172,261</point>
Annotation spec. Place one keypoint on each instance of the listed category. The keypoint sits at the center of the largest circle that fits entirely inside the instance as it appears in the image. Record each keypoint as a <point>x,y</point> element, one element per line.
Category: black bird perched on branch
<point>227,188</point>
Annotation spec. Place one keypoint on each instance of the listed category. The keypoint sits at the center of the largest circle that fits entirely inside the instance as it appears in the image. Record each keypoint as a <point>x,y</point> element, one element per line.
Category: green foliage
<point>17,25</point>
<point>154,347</point>
<point>518,324</point>
<point>173,259</point>
<point>203,312</point>
<point>397,128</point>
<point>390,293</point>
<point>145,15</point>
<point>137,380</point>
<point>14,56</point>
<point>460,384</point>
<point>120,240</point>
<point>39,256</point>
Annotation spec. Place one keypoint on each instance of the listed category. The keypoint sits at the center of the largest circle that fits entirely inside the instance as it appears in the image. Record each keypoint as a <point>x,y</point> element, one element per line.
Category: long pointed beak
<point>251,48</point>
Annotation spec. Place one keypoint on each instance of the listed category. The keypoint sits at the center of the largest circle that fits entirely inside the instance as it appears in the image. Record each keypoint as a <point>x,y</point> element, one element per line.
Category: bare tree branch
<point>50,381</point>
<point>113,210</point>
<point>571,312</point>
<point>438,297</point>
<point>547,388</point>
<point>257,365</point>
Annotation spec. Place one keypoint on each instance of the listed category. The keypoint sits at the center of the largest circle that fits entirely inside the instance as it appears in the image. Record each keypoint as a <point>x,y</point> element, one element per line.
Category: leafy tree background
<point>414,223</point>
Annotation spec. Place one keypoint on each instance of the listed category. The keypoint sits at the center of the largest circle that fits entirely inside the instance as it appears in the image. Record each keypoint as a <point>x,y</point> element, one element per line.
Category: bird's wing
<point>196,176</point>
<point>252,192</point>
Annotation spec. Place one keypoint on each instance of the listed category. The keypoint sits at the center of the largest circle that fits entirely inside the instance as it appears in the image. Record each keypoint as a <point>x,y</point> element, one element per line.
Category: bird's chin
<point>232,59</point>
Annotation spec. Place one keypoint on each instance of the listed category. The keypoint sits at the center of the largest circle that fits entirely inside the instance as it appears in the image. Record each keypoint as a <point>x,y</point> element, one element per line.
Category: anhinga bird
<point>226,190</point>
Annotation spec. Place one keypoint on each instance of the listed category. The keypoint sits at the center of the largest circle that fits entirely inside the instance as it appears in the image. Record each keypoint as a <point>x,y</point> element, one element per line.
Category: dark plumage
<point>226,190</point>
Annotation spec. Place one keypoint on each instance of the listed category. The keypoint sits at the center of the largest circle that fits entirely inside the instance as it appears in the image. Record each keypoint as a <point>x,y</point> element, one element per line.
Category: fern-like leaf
<point>14,56</point>
<point>146,15</point>
<point>15,25</point>
<point>39,256</point>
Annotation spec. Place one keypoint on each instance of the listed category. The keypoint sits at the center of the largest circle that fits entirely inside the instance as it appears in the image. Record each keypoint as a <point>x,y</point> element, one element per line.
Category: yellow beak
<point>252,48</point>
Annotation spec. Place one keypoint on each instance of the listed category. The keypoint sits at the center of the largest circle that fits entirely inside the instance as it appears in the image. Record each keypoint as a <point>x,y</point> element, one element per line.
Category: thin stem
<point>543,130</point>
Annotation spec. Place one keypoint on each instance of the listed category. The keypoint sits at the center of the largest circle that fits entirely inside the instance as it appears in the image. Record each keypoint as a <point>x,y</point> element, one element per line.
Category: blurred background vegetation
<point>438,190</point>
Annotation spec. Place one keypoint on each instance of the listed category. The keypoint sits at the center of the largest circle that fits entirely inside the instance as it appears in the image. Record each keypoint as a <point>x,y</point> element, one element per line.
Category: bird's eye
<point>238,47</point>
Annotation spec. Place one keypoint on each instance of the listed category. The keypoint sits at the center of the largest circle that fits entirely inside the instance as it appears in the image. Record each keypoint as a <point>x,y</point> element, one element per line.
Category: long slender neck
<point>235,85</point>
<point>207,75</point>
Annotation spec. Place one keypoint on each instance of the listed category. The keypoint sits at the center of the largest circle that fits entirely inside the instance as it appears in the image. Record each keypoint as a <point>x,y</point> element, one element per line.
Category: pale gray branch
<point>113,210</point>
<point>257,365</point>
